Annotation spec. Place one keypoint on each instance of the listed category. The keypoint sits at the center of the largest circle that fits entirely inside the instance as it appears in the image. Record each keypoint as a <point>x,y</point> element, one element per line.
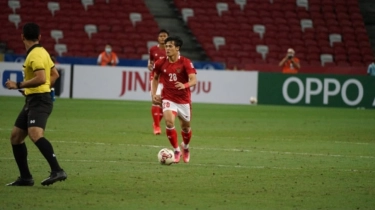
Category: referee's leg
<point>37,121</point>
<point>17,140</point>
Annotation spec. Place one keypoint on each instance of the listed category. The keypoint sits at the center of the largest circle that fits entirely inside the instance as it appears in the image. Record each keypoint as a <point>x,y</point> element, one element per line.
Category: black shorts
<point>35,112</point>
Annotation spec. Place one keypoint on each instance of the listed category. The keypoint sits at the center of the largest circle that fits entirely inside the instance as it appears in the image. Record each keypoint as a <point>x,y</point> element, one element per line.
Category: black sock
<point>45,147</point>
<point>20,154</point>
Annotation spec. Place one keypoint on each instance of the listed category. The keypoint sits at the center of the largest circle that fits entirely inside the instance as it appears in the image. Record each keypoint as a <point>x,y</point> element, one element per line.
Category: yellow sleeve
<point>51,63</point>
<point>37,63</point>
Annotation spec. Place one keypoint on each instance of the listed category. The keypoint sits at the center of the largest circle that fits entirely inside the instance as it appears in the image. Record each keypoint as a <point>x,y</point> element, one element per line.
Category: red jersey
<point>155,54</point>
<point>170,73</point>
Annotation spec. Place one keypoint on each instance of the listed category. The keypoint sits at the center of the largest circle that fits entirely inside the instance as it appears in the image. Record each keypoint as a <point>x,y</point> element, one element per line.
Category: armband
<point>186,85</point>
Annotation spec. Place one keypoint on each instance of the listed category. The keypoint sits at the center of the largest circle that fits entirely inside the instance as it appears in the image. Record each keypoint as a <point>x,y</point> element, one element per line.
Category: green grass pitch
<point>242,157</point>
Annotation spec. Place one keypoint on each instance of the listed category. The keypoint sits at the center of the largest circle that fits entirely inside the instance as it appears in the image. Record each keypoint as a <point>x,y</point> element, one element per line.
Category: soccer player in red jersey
<point>157,52</point>
<point>177,75</point>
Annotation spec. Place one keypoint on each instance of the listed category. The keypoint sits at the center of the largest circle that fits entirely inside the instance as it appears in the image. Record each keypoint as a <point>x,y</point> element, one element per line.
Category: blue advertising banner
<point>122,62</point>
<point>13,71</point>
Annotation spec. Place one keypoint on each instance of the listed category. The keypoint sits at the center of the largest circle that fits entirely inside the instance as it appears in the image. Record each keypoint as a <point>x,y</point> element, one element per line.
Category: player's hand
<point>179,85</point>
<point>11,84</point>
<point>150,66</point>
<point>156,99</point>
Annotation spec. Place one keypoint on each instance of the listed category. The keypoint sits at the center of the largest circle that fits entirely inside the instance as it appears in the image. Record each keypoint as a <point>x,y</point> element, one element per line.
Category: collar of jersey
<point>32,47</point>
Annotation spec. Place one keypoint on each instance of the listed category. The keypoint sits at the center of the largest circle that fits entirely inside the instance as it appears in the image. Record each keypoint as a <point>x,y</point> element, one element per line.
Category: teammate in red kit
<point>157,52</point>
<point>177,74</point>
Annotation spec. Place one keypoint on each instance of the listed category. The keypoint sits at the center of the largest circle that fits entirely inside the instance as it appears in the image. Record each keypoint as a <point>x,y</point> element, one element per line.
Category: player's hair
<point>177,41</point>
<point>163,31</point>
<point>31,31</point>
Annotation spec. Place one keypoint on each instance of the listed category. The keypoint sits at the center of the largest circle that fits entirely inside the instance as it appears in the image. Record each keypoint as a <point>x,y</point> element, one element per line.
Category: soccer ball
<point>253,100</point>
<point>166,156</point>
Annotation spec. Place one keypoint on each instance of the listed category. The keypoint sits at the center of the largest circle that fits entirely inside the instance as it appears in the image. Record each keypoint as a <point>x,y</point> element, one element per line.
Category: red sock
<point>160,113</point>
<point>155,115</point>
<point>172,136</point>
<point>186,136</point>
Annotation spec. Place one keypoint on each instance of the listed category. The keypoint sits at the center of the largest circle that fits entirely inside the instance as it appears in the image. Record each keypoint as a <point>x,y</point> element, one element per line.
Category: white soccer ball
<point>253,100</point>
<point>166,156</point>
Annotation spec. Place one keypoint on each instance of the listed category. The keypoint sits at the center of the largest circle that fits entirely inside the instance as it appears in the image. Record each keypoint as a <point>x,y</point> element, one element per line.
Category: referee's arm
<point>54,76</point>
<point>38,79</point>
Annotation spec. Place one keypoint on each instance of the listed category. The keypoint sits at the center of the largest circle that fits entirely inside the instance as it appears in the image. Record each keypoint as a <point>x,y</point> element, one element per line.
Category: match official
<point>39,75</point>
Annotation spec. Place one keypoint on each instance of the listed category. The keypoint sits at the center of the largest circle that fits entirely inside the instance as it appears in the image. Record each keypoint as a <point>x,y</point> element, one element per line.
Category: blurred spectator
<point>371,68</point>
<point>107,57</point>
<point>290,63</point>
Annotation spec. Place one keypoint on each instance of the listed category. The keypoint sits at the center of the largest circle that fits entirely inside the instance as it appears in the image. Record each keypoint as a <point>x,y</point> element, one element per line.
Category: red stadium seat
<point>298,49</point>
<point>332,22</point>
<point>356,63</point>
<point>277,14</point>
<point>303,15</point>
<point>343,16</point>
<point>330,64</point>
<point>246,60</point>
<point>319,22</point>
<point>313,56</point>
<point>342,57</point>
<point>343,63</point>
<point>326,50</point>
<point>281,19</point>
<point>271,41</point>
<point>289,7</point>
<point>341,9</point>
<point>313,49</point>
<point>356,16</point>
<point>339,50</point>
<point>329,15</point>
<point>242,54</point>
<point>232,60</point>
<point>347,30</point>
<point>351,44</point>
<point>353,51</point>
<point>315,63</point>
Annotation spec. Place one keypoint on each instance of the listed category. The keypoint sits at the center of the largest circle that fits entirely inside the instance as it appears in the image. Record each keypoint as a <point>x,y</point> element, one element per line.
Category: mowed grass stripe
<point>243,157</point>
<point>191,165</point>
<point>223,149</point>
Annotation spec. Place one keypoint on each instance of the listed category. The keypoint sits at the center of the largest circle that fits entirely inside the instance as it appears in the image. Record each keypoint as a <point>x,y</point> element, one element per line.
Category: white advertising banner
<point>13,71</point>
<point>132,83</point>
<point>225,87</point>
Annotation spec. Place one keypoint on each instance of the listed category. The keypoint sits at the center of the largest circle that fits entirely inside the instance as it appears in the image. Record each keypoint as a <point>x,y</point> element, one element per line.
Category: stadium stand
<point>14,18</point>
<point>14,5</point>
<point>90,29</point>
<point>313,28</point>
<point>60,49</point>
<point>260,29</point>
<point>263,50</point>
<point>53,6</point>
<point>326,59</point>
<point>57,34</point>
<point>229,31</point>
<point>218,41</point>
<point>186,13</point>
<point>126,24</point>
